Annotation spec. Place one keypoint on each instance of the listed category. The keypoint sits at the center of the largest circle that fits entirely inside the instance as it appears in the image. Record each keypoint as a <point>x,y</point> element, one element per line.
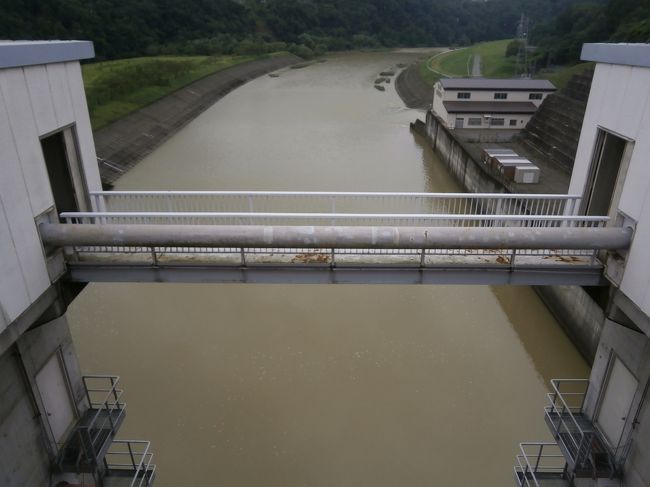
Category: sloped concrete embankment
<point>124,143</point>
<point>554,130</point>
<point>412,89</point>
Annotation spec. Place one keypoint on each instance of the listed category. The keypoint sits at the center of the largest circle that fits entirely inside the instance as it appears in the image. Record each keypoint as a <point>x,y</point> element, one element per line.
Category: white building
<point>44,132</point>
<point>481,103</point>
<point>609,443</point>
<point>47,165</point>
<point>612,171</point>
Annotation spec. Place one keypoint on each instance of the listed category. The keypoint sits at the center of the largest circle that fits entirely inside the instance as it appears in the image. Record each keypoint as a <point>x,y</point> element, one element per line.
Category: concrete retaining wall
<point>578,314</point>
<point>468,172</point>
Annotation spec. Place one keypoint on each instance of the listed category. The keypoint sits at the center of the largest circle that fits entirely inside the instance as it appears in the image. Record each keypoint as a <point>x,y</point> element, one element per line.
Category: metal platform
<point>541,480</point>
<point>582,445</point>
<point>129,463</point>
<point>91,438</point>
<point>372,273</point>
<point>540,464</point>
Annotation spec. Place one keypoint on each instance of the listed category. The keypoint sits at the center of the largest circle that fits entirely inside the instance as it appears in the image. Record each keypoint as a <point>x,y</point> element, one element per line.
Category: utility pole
<point>522,53</point>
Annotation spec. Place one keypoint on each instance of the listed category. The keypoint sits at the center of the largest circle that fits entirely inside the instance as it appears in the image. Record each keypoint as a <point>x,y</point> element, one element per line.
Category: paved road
<point>476,67</point>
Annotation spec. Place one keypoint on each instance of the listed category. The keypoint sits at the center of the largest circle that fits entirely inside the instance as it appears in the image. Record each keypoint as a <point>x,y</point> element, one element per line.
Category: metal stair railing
<point>131,457</point>
<point>99,425</point>
<point>578,441</point>
<point>537,461</point>
<point>104,398</point>
<point>561,415</point>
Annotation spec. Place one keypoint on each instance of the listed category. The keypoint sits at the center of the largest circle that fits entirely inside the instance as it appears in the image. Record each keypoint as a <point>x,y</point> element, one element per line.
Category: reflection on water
<point>320,385</point>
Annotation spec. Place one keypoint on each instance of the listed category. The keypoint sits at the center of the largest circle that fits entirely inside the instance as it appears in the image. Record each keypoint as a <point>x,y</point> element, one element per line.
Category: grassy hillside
<point>494,64</point>
<point>458,63</point>
<point>116,88</point>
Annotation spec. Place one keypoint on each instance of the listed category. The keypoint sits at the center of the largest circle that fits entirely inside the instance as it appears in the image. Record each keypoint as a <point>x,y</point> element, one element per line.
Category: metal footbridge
<point>334,237</point>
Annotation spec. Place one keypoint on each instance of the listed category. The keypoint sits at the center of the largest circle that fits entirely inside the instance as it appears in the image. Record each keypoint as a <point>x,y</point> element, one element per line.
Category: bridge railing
<point>334,219</point>
<point>334,203</point>
<point>340,209</point>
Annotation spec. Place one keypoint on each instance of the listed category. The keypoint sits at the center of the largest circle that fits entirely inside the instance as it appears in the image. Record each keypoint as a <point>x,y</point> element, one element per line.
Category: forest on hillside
<point>122,28</point>
<point>560,40</point>
<point>130,28</point>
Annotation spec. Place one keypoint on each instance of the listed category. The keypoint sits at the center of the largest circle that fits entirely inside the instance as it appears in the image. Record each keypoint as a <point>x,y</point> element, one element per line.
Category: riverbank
<point>119,87</point>
<point>412,89</point>
<point>125,142</point>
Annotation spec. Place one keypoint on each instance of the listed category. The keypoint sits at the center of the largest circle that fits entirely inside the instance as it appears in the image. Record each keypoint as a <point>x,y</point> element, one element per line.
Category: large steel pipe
<point>256,236</point>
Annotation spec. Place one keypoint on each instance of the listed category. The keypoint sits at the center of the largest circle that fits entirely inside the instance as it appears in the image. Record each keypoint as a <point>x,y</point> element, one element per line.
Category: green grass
<point>426,74</point>
<point>458,63</point>
<point>455,63</point>
<point>494,63</point>
<point>560,76</point>
<point>117,88</point>
<point>429,77</point>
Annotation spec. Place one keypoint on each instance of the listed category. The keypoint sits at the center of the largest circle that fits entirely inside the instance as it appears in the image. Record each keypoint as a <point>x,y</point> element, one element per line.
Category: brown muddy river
<point>320,385</point>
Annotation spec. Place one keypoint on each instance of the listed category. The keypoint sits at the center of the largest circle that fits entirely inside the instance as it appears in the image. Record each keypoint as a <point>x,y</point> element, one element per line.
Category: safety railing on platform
<point>539,462</point>
<point>420,258</point>
<point>335,219</point>
<point>106,411</point>
<point>334,203</point>
<point>569,426</point>
<point>104,396</point>
<point>340,209</point>
<point>131,459</point>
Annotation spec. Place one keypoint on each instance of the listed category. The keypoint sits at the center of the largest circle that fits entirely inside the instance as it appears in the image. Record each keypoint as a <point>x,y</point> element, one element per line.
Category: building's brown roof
<point>492,84</point>
<point>505,107</point>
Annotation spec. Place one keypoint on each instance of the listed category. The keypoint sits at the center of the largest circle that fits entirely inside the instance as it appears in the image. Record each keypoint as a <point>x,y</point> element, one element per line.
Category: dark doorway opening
<point>58,169</point>
<point>605,167</point>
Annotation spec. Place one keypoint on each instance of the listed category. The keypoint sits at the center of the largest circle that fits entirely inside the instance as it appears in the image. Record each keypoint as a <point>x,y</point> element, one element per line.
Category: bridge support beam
<point>547,275</point>
<point>258,236</point>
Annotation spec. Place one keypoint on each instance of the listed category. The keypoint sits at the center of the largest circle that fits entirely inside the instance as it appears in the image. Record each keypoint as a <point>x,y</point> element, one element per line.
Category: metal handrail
<point>140,460</point>
<point>525,467</point>
<point>450,219</point>
<point>439,216</point>
<point>332,201</point>
<point>340,193</point>
<point>578,441</point>
<point>109,403</point>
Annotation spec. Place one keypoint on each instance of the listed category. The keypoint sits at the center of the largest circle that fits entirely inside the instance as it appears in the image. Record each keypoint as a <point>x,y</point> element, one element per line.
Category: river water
<point>320,385</point>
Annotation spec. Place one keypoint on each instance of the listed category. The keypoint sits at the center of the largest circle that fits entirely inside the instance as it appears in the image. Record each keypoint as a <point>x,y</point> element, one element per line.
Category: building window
<point>474,121</point>
<point>498,122</point>
<point>535,96</point>
<point>513,123</point>
<point>463,95</point>
<point>501,96</point>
